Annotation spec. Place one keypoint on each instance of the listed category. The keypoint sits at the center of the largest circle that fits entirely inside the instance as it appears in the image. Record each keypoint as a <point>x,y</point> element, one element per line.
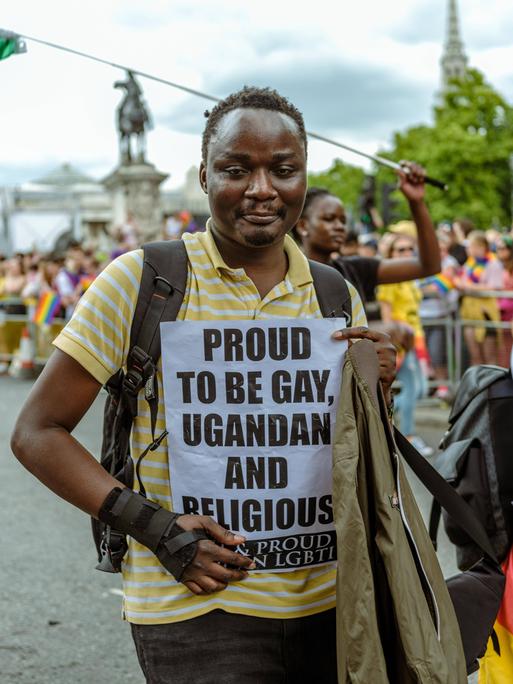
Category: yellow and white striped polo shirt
<point>98,337</point>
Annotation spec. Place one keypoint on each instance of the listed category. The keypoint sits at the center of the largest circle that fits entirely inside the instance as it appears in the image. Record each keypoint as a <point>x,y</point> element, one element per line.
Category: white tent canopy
<point>37,230</point>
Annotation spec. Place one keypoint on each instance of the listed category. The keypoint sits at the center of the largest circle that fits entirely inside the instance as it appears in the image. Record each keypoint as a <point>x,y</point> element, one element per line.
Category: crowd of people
<point>472,263</point>
<point>414,281</point>
<point>25,277</point>
<point>190,585</point>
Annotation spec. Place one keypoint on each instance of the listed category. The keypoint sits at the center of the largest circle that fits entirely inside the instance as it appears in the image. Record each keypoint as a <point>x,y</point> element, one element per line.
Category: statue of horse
<point>133,118</point>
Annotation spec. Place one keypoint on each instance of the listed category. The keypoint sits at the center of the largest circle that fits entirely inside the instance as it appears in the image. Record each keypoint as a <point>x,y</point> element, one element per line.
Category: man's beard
<point>264,235</point>
<point>260,238</point>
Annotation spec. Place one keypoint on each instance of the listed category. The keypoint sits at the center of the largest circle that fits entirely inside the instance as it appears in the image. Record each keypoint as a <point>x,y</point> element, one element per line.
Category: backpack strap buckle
<point>140,367</point>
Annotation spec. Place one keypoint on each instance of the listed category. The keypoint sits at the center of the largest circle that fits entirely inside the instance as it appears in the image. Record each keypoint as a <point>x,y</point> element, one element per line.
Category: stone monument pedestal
<point>135,188</point>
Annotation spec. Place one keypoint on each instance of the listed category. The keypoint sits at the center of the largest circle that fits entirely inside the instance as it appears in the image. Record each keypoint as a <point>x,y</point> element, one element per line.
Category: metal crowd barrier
<point>449,323</point>
<point>454,326</point>
<point>13,324</point>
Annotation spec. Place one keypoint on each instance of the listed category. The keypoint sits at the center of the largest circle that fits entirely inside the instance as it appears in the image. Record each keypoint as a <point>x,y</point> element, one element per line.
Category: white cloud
<point>377,66</point>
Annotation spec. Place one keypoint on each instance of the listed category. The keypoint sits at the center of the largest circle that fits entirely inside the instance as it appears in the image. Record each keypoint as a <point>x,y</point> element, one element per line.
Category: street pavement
<point>60,620</point>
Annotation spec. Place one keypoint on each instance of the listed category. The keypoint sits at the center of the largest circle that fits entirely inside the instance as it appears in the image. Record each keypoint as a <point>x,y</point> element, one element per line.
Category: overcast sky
<point>357,69</point>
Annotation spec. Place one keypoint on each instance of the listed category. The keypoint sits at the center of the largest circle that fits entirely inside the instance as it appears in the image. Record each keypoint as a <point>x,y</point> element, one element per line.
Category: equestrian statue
<point>133,119</point>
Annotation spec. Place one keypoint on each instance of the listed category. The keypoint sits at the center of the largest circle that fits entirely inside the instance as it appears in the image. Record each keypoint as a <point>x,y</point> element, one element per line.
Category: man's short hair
<point>250,98</point>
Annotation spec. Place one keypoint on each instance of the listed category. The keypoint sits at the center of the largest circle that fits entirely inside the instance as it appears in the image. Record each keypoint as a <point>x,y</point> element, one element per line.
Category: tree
<point>343,180</point>
<point>469,146</point>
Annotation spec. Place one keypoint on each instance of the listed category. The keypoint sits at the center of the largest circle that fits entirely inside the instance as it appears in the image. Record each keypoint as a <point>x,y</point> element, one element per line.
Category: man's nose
<point>260,185</point>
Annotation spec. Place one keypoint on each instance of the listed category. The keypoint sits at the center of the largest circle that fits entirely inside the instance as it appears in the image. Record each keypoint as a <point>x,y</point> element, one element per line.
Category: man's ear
<point>302,228</point>
<point>203,177</point>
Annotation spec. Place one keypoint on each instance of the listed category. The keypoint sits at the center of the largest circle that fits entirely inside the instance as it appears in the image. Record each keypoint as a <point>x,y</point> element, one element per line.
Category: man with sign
<point>250,392</point>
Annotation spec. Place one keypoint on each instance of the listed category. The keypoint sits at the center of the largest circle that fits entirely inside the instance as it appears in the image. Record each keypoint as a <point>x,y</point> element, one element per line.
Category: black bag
<point>161,292</point>
<point>477,593</point>
<point>477,460</point>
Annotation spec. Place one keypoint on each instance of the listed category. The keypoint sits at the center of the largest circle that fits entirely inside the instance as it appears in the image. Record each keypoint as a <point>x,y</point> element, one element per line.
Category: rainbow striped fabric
<point>442,282</point>
<point>47,306</point>
<point>498,669</point>
<point>474,268</point>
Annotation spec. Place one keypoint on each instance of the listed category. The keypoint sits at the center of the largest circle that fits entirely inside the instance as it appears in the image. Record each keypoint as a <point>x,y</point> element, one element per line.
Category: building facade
<point>68,204</point>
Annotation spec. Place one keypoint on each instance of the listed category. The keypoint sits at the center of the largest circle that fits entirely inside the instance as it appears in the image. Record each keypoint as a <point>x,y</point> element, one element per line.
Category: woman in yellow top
<point>400,302</point>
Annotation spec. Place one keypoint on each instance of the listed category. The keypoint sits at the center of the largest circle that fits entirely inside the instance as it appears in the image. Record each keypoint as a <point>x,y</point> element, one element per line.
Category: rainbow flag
<point>47,307</point>
<point>442,282</point>
<point>498,669</point>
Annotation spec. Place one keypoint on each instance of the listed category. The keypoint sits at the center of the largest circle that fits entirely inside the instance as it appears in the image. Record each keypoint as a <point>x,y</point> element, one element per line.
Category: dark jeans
<point>220,648</point>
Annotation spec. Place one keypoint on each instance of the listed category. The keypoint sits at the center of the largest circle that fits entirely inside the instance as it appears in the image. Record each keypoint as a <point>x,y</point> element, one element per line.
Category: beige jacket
<point>395,619</point>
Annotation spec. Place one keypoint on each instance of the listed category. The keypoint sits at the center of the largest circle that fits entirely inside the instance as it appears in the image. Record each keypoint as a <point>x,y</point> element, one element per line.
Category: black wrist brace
<point>153,526</point>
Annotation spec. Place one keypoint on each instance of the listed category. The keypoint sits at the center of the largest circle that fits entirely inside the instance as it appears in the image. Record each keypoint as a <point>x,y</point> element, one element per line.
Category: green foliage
<point>469,147</point>
<point>343,180</point>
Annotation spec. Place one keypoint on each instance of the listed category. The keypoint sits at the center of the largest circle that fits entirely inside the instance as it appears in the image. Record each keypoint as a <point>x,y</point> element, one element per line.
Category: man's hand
<point>384,348</point>
<point>207,574</point>
<point>401,334</point>
<point>411,181</point>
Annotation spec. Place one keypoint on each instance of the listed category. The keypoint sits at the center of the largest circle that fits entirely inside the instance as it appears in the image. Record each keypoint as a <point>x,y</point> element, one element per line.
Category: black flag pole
<point>382,161</point>
<point>379,160</point>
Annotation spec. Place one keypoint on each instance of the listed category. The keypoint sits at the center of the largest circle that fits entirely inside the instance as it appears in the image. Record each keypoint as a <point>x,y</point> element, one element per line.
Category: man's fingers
<point>383,346</point>
<point>360,333</point>
<point>209,585</point>
<point>236,559</point>
<point>200,582</point>
<point>217,532</point>
<point>413,169</point>
<point>221,534</point>
<point>225,575</point>
<point>194,588</point>
<point>229,557</point>
<point>350,333</point>
<point>208,575</point>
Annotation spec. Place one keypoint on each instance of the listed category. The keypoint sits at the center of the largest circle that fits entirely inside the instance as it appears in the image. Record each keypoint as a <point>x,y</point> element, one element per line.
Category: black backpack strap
<point>332,292</point>
<point>161,293</point>
<point>434,522</point>
<point>445,495</point>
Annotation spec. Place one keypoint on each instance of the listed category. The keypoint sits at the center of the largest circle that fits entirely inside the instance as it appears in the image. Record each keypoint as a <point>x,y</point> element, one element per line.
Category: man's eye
<point>235,171</point>
<point>284,170</point>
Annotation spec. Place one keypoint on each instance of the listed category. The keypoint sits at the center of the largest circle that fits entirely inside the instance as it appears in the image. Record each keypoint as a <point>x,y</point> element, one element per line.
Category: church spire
<point>454,60</point>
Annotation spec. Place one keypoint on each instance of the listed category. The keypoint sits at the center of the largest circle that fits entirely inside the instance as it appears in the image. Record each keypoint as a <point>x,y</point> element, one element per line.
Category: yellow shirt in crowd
<point>98,337</point>
<point>404,299</point>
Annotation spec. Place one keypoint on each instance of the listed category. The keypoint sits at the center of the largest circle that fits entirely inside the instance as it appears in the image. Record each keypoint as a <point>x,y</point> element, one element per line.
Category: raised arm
<point>428,260</point>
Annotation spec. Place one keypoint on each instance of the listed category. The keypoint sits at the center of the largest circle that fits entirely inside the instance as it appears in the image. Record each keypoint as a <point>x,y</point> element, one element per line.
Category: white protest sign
<point>250,410</point>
